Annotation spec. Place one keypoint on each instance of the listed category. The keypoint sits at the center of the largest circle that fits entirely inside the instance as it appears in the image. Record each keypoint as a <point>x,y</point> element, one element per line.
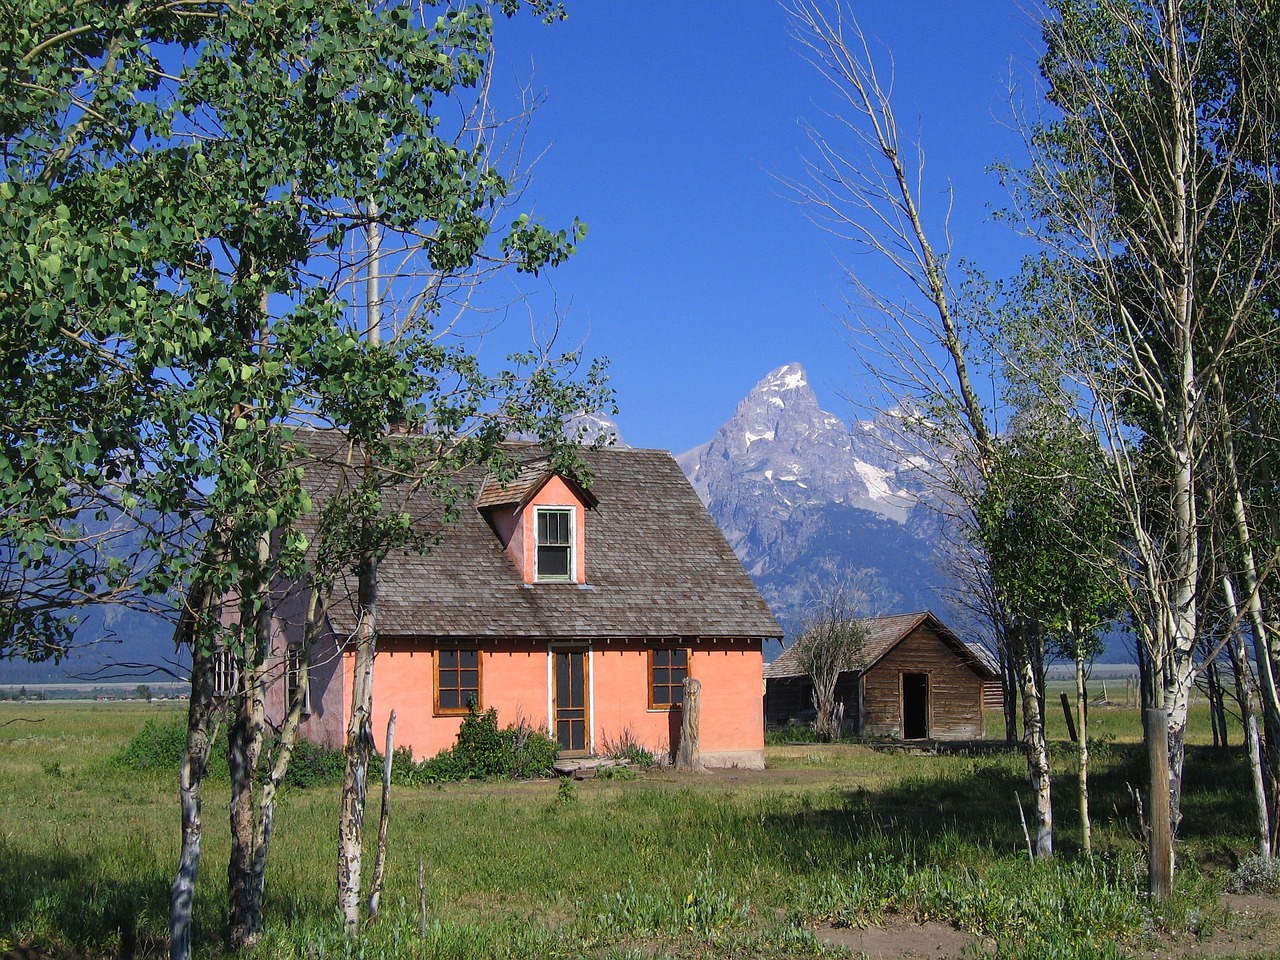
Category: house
<point>918,681</point>
<point>577,608</point>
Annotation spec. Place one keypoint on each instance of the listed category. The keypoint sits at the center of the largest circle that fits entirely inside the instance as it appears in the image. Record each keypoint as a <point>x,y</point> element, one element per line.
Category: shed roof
<point>882,635</point>
<point>657,565</point>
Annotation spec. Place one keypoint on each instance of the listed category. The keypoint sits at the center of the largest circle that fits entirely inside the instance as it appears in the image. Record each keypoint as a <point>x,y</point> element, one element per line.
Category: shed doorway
<point>915,706</point>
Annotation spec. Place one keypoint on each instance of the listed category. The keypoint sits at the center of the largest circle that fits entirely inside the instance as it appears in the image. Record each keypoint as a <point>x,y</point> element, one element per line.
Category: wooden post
<point>1160,838</point>
<point>1071,721</point>
<point>689,757</point>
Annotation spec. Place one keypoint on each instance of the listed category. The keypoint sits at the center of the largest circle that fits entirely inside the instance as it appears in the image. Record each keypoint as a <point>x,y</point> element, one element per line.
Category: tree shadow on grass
<point>60,903</point>
<point>953,814</point>
<point>1217,800</point>
<point>928,817</point>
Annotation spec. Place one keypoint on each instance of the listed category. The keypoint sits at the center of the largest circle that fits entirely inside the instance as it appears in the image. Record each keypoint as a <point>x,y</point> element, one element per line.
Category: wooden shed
<point>919,681</point>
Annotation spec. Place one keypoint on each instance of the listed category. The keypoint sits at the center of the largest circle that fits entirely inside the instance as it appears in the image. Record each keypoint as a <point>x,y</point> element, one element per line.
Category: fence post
<point>1160,834</point>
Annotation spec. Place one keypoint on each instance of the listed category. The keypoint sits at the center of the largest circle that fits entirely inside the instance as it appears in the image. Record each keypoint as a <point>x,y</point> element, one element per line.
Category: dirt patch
<point>903,941</point>
<point>1251,930</point>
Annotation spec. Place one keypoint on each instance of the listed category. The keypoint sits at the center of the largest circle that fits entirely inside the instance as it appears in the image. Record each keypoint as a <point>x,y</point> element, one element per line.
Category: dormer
<point>540,519</point>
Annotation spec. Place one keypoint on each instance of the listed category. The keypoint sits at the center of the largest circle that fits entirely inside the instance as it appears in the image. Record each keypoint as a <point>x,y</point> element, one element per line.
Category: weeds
<point>627,747</point>
<point>1258,874</point>
<point>543,870</point>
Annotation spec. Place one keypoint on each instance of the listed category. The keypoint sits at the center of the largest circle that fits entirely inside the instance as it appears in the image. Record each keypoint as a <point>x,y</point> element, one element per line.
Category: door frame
<point>588,692</point>
<point>928,701</point>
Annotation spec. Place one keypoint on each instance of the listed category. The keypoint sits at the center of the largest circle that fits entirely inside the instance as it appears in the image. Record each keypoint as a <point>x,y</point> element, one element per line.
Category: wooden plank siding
<point>954,690</point>
<point>790,701</point>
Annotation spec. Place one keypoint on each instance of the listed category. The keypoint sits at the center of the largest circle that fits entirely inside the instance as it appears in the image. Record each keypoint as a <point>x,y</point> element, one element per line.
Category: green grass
<point>833,834</point>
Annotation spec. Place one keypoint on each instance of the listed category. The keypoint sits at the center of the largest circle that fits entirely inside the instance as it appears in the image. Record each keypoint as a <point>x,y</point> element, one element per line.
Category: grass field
<point>730,864</point>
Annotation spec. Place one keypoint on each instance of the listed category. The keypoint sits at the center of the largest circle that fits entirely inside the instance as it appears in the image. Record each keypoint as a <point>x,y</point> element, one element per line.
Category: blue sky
<point>662,124</point>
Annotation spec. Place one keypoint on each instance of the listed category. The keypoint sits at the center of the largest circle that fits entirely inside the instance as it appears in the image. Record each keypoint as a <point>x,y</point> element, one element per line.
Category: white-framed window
<point>294,676</point>
<point>225,674</point>
<point>554,534</point>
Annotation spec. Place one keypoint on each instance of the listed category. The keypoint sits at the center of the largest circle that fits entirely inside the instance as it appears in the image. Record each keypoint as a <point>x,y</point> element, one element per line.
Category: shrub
<point>159,745</point>
<point>312,765</point>
<point>483,750</point>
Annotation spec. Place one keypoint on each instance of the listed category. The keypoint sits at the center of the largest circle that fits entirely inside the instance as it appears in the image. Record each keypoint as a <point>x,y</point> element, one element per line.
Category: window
<point>555,554</point>
<point>457,680</point>
<point>225,675</point>
<point>667,669</point>
<point>293,678</point>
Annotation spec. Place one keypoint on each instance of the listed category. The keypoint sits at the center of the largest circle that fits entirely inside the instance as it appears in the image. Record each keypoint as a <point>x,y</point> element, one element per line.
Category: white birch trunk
<point>201,730</point>
<point>1037,757</point>
<point>1082,720</point>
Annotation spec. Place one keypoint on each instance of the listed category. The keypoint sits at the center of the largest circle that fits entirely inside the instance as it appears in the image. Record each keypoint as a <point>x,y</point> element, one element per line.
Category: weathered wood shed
<point>918,681</point>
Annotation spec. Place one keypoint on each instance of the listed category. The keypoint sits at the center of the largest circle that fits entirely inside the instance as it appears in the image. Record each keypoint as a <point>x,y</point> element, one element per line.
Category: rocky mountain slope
<point>810,503</point>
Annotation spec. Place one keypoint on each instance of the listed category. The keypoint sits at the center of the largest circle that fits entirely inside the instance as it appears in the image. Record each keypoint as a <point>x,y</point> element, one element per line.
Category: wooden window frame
<point>463,709</point>
<point>670,687</point>
<point>571,575</point>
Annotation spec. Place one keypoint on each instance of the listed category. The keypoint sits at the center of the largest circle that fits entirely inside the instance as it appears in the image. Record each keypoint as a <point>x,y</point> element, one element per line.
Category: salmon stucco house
<point>580,609</point>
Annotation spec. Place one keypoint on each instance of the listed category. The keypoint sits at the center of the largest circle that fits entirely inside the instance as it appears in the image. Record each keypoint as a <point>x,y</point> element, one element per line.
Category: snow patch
<point>875,479</point>
<point>792,378</point>
<point>753,437</point>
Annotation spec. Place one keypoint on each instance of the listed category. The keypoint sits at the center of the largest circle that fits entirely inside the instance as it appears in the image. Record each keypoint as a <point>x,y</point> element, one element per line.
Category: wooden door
<point>915,706</point>
<point>572,707</point>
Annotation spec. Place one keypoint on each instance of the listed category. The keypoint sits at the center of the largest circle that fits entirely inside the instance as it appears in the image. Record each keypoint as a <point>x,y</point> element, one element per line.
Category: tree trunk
<point>246,870</point>
<point>358,747</point>
<point>1160,839</point>
<point>1217,705</point>
<point>380,856</point>
<point>360,743</point>
<point>1249,711</point>
<point>1037,750</point>
<point>1178,706</point>
<point>1263,638</point>
<point>689,756</point>
<point>1009,684</point>
<point>1082,720</point>
<point>201,730</point>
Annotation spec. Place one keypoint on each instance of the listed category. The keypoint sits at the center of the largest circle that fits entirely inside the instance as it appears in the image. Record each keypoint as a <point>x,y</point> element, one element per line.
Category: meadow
<point>648,863</point>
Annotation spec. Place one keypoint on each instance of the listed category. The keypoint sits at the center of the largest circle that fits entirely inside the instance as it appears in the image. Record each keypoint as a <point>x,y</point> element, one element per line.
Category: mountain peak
<point>803,496</point>
<point>790,376</point>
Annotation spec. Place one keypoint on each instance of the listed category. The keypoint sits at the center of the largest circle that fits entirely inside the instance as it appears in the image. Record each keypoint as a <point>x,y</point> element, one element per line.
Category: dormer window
<point>540,518</point>
<point>555,544</point>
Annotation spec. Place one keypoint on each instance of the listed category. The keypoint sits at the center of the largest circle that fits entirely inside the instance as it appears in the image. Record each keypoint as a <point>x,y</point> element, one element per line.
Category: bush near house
<point>483,751</point>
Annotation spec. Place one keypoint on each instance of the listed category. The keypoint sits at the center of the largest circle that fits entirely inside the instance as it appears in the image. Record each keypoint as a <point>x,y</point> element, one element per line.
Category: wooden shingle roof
<point>524,487</point>
<point>882,635</point>
<point>657,565</point>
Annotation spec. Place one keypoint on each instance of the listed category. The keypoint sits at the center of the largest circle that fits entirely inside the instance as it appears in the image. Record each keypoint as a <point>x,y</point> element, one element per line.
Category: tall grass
<point>691,866</point>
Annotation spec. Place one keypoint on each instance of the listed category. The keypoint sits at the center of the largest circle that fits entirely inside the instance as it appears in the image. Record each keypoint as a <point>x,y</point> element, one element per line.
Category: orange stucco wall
<point>514,680</point>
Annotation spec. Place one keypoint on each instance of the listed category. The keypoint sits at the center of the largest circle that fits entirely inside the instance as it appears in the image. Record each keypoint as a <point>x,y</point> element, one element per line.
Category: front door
<point>572,709</point>
<point>915,706</point>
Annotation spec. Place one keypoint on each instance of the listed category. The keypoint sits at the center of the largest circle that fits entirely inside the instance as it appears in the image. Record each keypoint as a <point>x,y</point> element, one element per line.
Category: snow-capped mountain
<point>809,502</point>
<point>594,427</point>
<point>782,441</point>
